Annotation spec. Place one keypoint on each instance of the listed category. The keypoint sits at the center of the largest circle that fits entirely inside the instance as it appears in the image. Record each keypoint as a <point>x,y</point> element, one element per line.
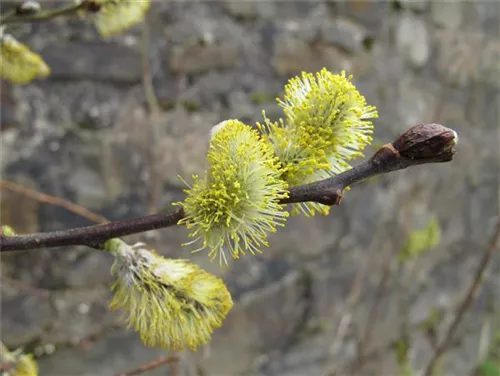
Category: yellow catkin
<point>18,63</point>
<point>17,363</point>
<point>116,16</point>
<point>236,204</point>
<point>326,125</point>
<point>173,304</point>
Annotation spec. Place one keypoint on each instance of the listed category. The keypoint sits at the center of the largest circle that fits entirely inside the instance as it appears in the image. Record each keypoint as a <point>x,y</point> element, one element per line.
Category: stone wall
<point>85,134</point>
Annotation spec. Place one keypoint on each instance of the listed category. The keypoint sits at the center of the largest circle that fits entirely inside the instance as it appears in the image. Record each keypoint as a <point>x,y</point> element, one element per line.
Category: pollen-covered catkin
<point>115,16</point>
<point>17,363</point>
<point>173,304</point>
<point>18,63</point>
<point>326,125</point>
<point>236,204</point>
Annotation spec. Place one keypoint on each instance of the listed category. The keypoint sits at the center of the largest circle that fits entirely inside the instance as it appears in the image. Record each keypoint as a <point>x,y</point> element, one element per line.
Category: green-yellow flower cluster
<point>326,125</point>
<point>237,203</point>
<point>115,16</point>
<point>18,63</point>
<point>172,303</point>
<point>17,363</point>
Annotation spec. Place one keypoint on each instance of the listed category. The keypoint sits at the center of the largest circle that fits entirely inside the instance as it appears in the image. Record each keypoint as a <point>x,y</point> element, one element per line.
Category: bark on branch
<point>424,143</point>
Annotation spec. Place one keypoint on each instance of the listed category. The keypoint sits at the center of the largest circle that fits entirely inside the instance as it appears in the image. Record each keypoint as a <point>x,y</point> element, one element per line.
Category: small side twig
<point>466,302</point>
<point>154,113</point>
<point>151,365</point>
<point>353,299</point>
<point>381,289</point>
<point>12,16</point>
<point>147,76</point>
<point>52,200</point>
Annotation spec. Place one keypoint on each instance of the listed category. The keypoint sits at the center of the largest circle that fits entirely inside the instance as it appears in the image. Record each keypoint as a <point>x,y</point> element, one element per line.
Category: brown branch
<point>154,181</point>
<point>151,365</point>
<point>466,302</point>
<point>424,143</point>
<point>91,236</point>
<point>52,200</point>
<point>17,15</point>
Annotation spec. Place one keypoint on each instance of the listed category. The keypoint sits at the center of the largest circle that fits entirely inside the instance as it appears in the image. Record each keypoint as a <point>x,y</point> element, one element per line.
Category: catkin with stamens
<point>115,16</point>
<point>236,204</point>
<point>18,63</point>
<point>173,304</point>
<point>326,125</point>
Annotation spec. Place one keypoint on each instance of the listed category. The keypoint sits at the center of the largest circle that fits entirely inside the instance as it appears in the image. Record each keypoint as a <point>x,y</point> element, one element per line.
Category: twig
<point>13,16</point>
<point>151,365</point>
<point>52,200</point>
<point>425,143</point>
<point>91,236</point>
<point>147,76</point>
<point>351,301</point>
<point>381,288</point>
<point>154,112</point>
<point>466,302</point>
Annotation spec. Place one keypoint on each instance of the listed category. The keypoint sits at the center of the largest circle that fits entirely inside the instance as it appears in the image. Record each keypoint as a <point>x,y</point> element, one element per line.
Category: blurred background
<point>368,290</point>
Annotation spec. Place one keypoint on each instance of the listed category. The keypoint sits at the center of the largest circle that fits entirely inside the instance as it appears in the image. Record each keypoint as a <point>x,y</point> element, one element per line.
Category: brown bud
<point>427,142</point>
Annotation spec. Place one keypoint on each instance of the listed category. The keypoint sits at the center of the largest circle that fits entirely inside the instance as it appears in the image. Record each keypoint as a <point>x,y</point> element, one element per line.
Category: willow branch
<point>425,143</point>
<point>18,15</point>
<point>21,14</point>
<point>151,365</point>
<point>52,200</point>
<point>466,302</point>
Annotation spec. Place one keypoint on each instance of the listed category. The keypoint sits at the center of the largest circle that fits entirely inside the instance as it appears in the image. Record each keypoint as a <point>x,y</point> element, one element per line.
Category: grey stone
<point>90,270</point>
<point>413,39</point>
<point>489,66</point>
<point>24,318</point>
<point>447,14</point>
<point>300,232</point>
<point>483,16</point>
<point>366,12</point>
<point>197,58</point>
<point>416,5</point>
<point>87,135</point>
<point>457,56</point>
<point>416,102</point>
<point>292,55</point>
<point>103,357</point>
<point>308,357</point>
<point>9,114</point>
<point>344,33</point>
<point>80,314</point>
<point>250,10</point>
<point>261,321</point>
<point>185,155</point>
<point>89,187</point>
<point>98,61</point>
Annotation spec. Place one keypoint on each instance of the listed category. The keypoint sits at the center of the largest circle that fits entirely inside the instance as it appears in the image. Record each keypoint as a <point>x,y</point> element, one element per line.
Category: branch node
<point>331,198</point>
<point>385,155</point>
